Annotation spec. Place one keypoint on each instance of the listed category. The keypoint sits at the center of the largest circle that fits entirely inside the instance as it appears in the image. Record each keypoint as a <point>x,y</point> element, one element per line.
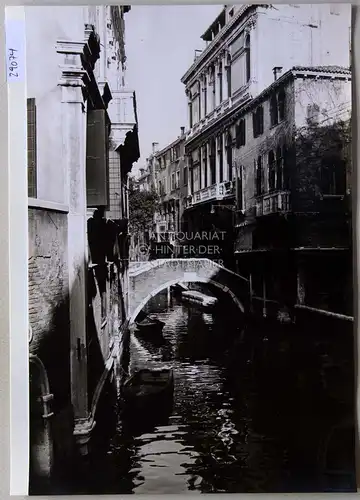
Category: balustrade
<point>271,203</point>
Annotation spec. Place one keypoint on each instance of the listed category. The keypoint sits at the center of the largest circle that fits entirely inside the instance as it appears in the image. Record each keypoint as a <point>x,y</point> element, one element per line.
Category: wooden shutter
<point>31,148</point>
<point>97,170</point>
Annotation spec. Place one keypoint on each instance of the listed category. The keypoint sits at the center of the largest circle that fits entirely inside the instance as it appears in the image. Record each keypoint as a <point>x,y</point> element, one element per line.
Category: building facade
<point>292,196</point>
<point>171,187</point>
<point>234,68</point>
<point>80,151</point>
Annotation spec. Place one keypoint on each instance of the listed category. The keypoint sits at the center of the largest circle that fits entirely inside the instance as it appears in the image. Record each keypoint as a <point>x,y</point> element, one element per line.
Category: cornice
<point>219,39</point>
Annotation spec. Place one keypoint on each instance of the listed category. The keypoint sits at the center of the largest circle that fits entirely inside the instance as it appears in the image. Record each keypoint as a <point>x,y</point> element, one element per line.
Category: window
<point>177,152</point>
<point>279,168</point>
<point>259,176</point>
<point>190,115</point>
<point>204,161</point>
<point>221,158</point>
<point>213,87</point>
<point>313,111</point>
<point>240,61</point>
<point>212,161</point>
<point>220,84</point>
<point>281,104</point>
<point>258,121</point>
<point>241,133</point>
<point>272,171</point>
<point>274,119</point>
<point>228,75</point>
<point>239,188</point>
<point>333,176</point>
<point>196,184</point>
<point>31,148</point>
<point>247,49</point>
<point>177,180</point>
<point>205,97</point>
<point>185,176</point>
<point>172,182</point>
<point>229,154</point>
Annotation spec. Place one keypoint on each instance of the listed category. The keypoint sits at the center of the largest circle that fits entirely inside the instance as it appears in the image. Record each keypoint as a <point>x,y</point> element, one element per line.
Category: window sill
<point>48,205</point>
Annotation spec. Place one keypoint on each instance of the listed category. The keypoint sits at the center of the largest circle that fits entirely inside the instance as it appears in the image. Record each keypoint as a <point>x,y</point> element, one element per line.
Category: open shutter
<point>97,171</point>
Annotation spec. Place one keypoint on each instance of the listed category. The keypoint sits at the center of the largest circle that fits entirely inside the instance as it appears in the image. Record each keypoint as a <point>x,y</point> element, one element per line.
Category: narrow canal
<point>254,406</point>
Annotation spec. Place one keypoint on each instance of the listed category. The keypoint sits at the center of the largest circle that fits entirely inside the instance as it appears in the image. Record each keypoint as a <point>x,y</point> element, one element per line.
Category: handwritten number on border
<point>13,63</point>
<point>15,50</point>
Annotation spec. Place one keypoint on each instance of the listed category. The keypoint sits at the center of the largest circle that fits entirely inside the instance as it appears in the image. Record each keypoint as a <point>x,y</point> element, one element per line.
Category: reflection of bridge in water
<point>147,279</point>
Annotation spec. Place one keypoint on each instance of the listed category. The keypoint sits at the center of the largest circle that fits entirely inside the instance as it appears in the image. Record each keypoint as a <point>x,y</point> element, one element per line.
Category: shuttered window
<point>97,165</point>
<point>31,148</point>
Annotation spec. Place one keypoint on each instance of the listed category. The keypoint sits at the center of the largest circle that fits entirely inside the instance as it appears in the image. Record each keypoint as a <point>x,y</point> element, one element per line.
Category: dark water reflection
<point>252,408</point>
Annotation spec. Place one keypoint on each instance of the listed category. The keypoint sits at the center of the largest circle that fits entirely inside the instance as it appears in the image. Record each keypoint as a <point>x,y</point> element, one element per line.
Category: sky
<point>160,44</point>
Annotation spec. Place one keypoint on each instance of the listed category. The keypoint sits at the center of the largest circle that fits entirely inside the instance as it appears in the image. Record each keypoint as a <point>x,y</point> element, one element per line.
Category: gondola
<point>150,324</point>
<point>148,389</point>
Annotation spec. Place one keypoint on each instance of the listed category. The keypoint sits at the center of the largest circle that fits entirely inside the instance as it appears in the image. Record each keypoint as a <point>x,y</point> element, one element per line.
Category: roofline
<point>223,10</point>
<point>302,71</point>
<point>294,72</point>
<point>218,37</point>
<point>172,144</point>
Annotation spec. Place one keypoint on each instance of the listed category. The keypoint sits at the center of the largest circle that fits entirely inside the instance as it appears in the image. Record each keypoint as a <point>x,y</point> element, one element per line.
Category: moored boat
<point>199,298</point>
<point>150,323</point>
<point>149,388</point>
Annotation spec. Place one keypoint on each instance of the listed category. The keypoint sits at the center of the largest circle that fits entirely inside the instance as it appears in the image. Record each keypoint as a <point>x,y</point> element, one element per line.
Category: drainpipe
<point>45,387</point>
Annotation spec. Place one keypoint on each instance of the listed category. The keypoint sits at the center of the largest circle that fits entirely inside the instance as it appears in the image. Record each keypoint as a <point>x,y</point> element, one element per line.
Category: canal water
<point>257,408</point>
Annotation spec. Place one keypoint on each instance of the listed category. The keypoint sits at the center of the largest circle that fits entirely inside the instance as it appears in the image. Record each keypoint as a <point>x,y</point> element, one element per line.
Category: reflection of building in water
<point>208,318</point>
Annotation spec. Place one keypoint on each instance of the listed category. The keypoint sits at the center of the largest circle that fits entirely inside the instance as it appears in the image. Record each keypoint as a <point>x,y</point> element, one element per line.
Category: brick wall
<point>48,297</point>
<point>49,319</point>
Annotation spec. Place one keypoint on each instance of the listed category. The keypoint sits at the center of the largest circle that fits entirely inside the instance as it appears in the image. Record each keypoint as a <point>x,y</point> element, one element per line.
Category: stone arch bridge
<point>147,279</point>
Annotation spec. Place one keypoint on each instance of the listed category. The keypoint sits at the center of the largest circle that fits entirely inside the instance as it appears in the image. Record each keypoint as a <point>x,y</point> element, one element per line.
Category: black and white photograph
<point>190,263</point>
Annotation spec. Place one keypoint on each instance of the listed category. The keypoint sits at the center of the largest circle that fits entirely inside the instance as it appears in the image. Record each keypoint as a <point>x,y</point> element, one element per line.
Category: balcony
<point>271,203</point>
<point>123,114</point>
<point>214,192</point>
<point>211,117</point>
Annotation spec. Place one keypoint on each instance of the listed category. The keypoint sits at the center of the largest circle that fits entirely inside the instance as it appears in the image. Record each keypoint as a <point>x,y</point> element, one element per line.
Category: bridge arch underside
<point>195,279</point>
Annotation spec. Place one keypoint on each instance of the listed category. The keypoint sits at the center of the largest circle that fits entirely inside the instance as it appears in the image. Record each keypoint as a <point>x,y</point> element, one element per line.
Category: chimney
<point>155,147</point>
<point>182,130</point>
<point>277,72</point>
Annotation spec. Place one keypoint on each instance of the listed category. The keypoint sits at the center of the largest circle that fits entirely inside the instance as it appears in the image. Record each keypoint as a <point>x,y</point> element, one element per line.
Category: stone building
<point>292,158</point>
<point>81,146</point>
<point>171,187</point>
<point>238,64</point>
